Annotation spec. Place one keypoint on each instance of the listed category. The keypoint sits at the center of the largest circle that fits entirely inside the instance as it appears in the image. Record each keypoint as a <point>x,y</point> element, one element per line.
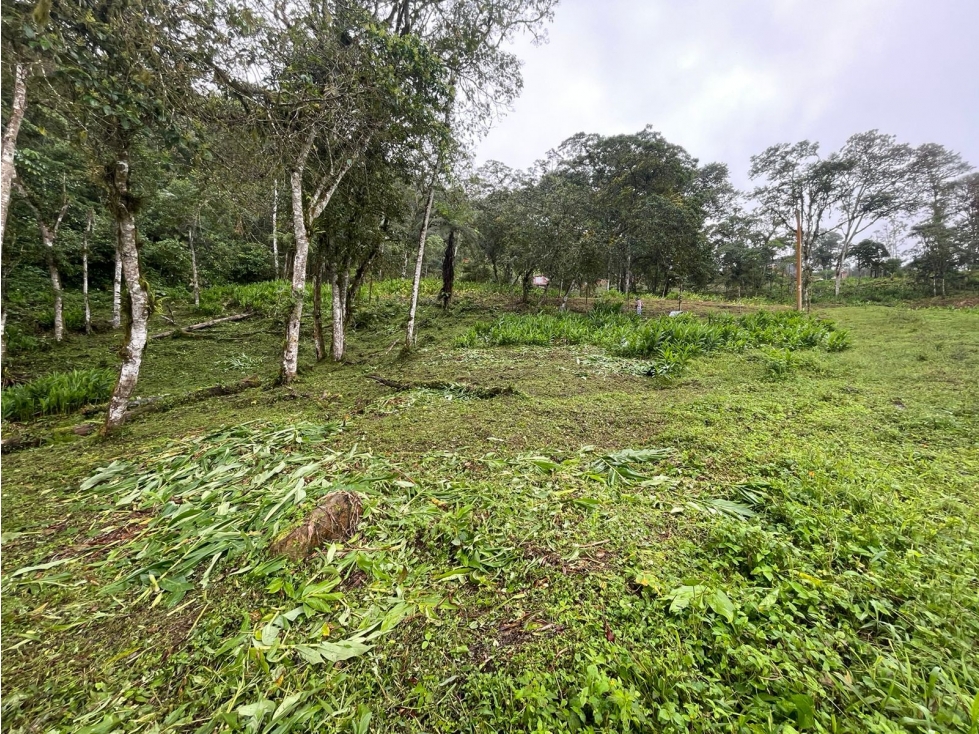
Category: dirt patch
<point>103,542</point>
<point>592,559</point>
<point>508,636</point>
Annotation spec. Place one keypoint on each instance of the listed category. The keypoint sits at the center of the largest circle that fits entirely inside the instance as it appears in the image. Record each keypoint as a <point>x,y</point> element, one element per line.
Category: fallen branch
<point>474,390</point>
<point>202,325</point>
<point>163,404</point>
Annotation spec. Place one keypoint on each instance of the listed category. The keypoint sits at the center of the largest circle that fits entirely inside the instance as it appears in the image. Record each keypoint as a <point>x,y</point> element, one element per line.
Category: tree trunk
<point>628,273</point>
<point>117,286</point>
<point>290,356</point>
<point>193,265</point>
<point>88,310</point>
<point>410,335</point>
<point>7,171</point>
<point>275,228</point>
<point>448,269</point>
<point>526,281</point>
<point>318,310</point>
<point>564,299</point>
<point>338,290</point>
<point>363,270</point>
<point>138,298</point>
<point>59,316</point>
<point>48,236</point>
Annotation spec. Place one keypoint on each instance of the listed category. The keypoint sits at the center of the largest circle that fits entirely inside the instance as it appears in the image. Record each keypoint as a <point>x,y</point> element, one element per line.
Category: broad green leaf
<point>721,604</point>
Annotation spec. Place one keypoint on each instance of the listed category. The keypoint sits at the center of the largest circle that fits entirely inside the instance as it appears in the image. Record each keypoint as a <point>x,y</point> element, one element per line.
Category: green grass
<point>751,549</point>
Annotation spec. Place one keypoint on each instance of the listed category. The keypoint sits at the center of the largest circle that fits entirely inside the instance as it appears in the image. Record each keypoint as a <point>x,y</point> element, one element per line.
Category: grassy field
<point>769,541</point>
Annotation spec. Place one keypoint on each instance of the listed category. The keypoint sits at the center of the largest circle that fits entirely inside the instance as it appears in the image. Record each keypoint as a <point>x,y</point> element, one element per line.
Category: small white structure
<point>541,281</point>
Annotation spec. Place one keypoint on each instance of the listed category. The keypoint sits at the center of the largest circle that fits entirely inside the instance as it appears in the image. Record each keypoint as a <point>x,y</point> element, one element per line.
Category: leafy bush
<point>57,393</point>
<point>838,341</point>
<point>778,363</point>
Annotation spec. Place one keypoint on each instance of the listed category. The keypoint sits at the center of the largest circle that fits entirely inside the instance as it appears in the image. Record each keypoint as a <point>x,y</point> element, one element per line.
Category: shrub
<point>57,393</point>
<point>838,341</point>
<point>778,363</point>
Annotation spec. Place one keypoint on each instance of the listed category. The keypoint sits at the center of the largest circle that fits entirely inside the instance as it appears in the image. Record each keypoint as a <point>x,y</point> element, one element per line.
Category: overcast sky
<point>727,78</point>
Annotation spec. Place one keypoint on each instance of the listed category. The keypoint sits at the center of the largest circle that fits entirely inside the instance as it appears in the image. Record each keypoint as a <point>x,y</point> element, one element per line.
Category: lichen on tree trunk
<point>290,356</point>
<point>138,298</point>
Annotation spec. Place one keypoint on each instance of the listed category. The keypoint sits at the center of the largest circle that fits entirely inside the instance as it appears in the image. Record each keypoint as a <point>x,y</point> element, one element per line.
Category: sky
<point>728,78</point>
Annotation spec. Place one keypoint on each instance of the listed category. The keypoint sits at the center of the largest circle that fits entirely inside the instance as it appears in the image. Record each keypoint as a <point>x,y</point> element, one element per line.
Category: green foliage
<point>272,299</point>
<point>669,342</point>
<point>778,363</point>
<point>57,393</point>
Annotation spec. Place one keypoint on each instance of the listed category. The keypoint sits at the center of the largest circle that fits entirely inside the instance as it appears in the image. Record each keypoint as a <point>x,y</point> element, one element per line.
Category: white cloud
<point>727,79</point>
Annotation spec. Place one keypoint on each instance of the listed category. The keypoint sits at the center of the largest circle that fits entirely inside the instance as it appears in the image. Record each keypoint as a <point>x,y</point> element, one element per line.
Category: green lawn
<point>731,550</point>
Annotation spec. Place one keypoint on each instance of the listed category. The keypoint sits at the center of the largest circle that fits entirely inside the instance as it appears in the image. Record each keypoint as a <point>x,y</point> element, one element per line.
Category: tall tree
<point>876,181</point>
<point>797,179</point>
<point>123,70</point>
<point>334,80</point>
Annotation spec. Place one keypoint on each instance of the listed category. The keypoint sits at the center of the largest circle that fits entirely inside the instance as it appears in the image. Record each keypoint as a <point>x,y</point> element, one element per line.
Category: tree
<point>454,215</point>
<point>826,252</point>
<point>797,179</point>
<point>122,71</point>
<point>876,181</point>
<point>969,225</point>
<point>940,178</point>
<point>870,255</point>
<point>334,80</point>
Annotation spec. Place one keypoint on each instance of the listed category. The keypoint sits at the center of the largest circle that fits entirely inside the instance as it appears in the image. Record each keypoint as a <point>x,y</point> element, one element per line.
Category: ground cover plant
<point>57,393</point>
<point>585,552</point>
<point>669,342</point>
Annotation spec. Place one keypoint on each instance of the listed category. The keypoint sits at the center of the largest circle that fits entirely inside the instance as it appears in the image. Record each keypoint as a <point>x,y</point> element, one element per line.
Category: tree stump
<point>336,517</point>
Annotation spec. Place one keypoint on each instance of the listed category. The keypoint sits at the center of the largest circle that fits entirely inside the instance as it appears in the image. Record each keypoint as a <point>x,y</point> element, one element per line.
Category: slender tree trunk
<point>117,284</point>
<point>448,270</point>
<point>318,310</point>
<point>526,281</point>
<point>88,309</point>
<point>275,228</point>
<point>339,286</point>
<point>137,297</point>
<point>363,270</point>
<point>48,236</point>
<point>193,265</point>
<point>564,299</point>
<point>410,335</point>
<point>7,172</point>
<point>59,316</point>
<point>628,273</point>
<point>290,356</point>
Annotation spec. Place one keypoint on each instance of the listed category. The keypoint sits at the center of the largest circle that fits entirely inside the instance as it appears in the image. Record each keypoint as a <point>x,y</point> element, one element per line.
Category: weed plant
<point>56,394</point>
<point>670,342</point>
